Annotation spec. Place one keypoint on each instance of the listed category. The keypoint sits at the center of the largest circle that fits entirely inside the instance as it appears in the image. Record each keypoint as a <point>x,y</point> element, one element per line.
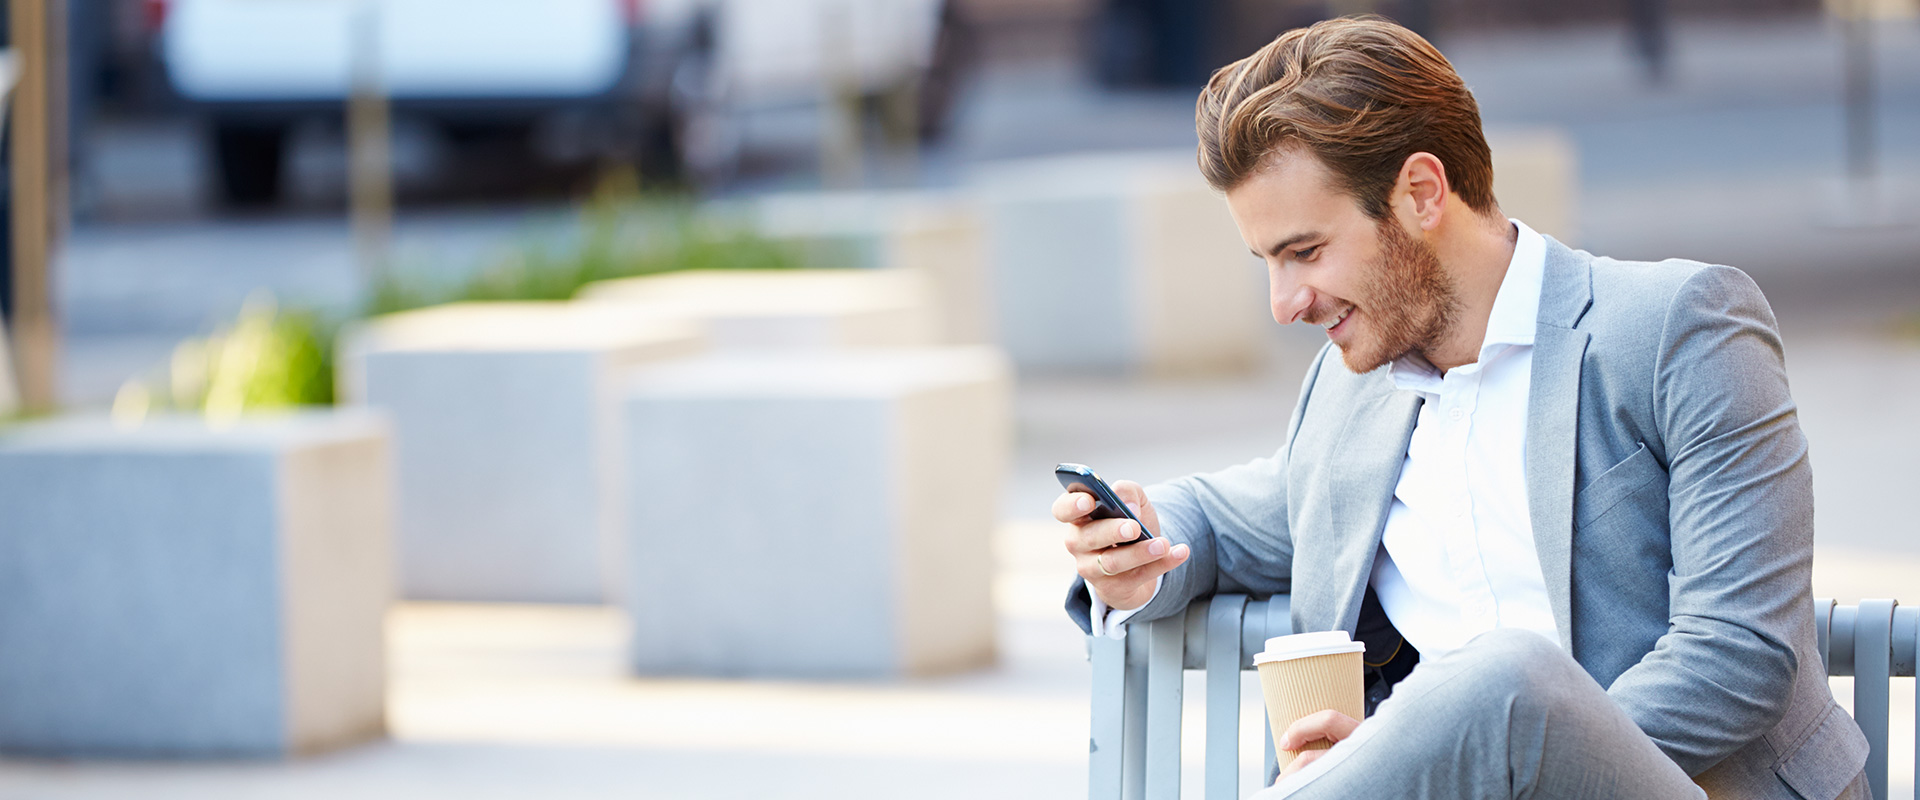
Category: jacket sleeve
<point>1740,518</point>
<point>1235,521</point>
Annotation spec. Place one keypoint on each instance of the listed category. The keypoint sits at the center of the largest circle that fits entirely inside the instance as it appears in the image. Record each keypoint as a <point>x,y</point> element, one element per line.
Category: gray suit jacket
<point>1671,500</point>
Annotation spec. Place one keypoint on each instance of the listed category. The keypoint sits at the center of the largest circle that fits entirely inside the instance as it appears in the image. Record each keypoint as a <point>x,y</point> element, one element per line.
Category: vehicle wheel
<point>251,159</point>
<point>658,149</point>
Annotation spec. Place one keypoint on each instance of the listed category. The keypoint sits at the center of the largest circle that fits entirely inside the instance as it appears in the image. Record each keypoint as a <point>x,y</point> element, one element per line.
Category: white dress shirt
<point>1457,557</point>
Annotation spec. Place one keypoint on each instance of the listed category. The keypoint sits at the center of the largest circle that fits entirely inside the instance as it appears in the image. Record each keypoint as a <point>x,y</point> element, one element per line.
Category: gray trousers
<point>1510,715</point>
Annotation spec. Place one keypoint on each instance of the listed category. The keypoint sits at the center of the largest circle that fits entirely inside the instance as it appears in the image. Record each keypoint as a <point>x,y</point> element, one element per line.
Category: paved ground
<point>504,701</point>
<point>1728,163</point>
<point>509,702</point>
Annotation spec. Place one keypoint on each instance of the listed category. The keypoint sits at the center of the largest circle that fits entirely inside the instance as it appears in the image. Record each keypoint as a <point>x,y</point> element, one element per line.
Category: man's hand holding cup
<point>1122,576</point>
<point>1313,688</point>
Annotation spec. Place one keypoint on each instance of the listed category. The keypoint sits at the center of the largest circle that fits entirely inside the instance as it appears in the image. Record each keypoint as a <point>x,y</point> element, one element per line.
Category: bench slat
<point>1104,745</point>
<point>1906,651</point>
<point>1279,622</point>
<point>1906,628</point>
<point>1253,637</point>
<point>1133,785</point>
<point>1166,653</point>
<point>1872,667</point>
<point>1840,642</point>
<point>1823,629</point>
<point>1223,696</point>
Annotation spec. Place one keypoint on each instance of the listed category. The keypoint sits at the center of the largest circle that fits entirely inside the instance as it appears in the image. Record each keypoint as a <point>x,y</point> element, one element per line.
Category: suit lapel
<point>1553,418</point>
<point>1373,449</point>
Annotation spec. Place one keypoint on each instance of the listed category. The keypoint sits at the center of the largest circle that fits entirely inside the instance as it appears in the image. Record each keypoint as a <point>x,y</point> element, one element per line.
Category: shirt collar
<point>1516,311</point>
<point>1516,308</point>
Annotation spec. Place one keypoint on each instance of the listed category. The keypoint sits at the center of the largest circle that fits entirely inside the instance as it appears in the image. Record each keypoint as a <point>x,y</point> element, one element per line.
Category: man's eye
<point>1306,253</point>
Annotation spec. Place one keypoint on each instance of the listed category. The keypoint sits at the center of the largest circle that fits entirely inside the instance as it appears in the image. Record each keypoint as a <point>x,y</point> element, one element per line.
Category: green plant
<point>268,359</point>
<point>273,357</point>
<point>622,233</point>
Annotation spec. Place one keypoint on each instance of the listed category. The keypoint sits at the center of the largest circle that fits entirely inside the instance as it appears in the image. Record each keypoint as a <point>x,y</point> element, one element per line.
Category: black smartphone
<point>1106,504</point>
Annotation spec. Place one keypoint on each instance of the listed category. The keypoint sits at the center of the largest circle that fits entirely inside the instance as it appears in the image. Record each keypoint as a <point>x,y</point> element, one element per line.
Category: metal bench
<point>1138,687</point>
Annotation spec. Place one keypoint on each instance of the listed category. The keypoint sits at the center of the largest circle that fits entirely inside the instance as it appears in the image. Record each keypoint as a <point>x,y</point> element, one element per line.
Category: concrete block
<point>937,235</point>
<point>505,419</point>
<point>800,308</point>
<point>1120,262</point>
<point>822,514</point>
<point>177,589</point>
<point>948,245</point>
<point>1536,179</point>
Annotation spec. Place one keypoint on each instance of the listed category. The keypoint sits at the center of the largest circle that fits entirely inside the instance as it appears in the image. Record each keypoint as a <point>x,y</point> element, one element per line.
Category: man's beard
<point>1411,304</point>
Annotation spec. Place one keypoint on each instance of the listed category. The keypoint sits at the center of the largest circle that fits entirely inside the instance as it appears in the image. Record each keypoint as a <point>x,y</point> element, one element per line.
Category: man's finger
<point>1071,507</point>
<point>1100,534</point>
<point>1107,565</point>
<point>1093,536</point>
<point>1124,531</point>
<point>1330,725</point>
<point>1301,761</point>
<point>1136,563</point>
<point>1136,500</point>
<point>1175,556</point>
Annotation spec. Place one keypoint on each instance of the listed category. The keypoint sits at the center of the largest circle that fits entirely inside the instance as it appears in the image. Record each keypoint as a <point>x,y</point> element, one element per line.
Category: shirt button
<point>1457,414</point>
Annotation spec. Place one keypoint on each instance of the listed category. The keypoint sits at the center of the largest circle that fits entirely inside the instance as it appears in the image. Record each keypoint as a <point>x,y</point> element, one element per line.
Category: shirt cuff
<point>1113,624</point>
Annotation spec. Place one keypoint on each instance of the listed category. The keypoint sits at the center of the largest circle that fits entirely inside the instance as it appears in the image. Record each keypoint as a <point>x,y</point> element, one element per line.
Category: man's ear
<point>1420,193</point>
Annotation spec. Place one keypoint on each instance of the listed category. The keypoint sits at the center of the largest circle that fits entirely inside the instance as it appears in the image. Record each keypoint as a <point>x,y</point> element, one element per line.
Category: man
<point>1573,490</point>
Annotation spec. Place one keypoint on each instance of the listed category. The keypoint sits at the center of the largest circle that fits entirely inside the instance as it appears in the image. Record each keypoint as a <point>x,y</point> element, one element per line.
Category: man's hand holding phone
<point>1120,570</point>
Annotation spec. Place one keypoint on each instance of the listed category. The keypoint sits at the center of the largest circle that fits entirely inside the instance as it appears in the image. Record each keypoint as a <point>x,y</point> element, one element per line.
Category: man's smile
<point>1337,322</point>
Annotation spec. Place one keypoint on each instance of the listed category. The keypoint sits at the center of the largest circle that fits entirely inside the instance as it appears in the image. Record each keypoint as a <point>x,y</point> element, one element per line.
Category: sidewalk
<point>511,702</point>
<point>526,701</point>
<point>517,701</point>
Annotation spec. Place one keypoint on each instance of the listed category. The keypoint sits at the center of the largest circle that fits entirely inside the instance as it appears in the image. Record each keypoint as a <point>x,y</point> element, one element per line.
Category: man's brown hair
<point>1361,94</point>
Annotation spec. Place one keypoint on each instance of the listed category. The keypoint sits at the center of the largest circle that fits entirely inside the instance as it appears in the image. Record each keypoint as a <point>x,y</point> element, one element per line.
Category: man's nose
<point>1289,299</point>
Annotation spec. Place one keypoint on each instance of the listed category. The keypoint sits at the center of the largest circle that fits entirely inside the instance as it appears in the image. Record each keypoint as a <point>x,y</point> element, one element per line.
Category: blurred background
<point>419,398</point>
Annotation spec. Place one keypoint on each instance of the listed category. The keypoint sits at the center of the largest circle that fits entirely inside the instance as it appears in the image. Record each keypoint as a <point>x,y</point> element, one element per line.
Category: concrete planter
<point>936,235</point>
<point>1536,178</point>
<point>1120,262</point>
<point>783,309</point>
<point>180,590</point>
<point>820,514</point>
<point>504,429</point>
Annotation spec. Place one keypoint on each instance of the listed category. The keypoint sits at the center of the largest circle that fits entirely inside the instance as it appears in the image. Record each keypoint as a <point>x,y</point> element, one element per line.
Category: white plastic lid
<point>1302,645</point>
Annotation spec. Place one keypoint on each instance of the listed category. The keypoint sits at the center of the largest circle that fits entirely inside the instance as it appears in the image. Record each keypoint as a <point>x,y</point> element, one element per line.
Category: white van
<point>677,79</point>
<point>757,66</point>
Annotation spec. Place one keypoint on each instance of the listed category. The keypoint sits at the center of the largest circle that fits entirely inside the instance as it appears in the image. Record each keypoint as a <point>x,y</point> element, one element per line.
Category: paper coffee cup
<point>1307,673</point>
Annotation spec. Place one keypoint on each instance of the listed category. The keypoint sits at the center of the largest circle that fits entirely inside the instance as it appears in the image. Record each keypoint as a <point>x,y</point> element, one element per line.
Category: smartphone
<point>1106,504</point>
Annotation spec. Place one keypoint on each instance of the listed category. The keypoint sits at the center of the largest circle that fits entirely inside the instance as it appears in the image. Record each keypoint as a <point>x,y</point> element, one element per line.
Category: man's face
<point>1378,291</point>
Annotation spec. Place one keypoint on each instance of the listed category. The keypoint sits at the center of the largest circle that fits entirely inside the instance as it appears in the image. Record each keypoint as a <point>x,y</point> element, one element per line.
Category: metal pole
<point>369,148</point>
<point>39,195</point>
<point>1862,158</point>
<point>901,103</point>
<point>9,385</point>
<point>903,121</point>
<point>840,140</point>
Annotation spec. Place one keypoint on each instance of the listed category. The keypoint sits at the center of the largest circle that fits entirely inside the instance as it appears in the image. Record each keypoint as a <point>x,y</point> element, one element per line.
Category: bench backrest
<point>1138,684</point>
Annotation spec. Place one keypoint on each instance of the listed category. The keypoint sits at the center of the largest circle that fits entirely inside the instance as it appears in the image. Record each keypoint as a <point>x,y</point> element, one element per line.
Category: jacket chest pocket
<point>1605,493</point>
